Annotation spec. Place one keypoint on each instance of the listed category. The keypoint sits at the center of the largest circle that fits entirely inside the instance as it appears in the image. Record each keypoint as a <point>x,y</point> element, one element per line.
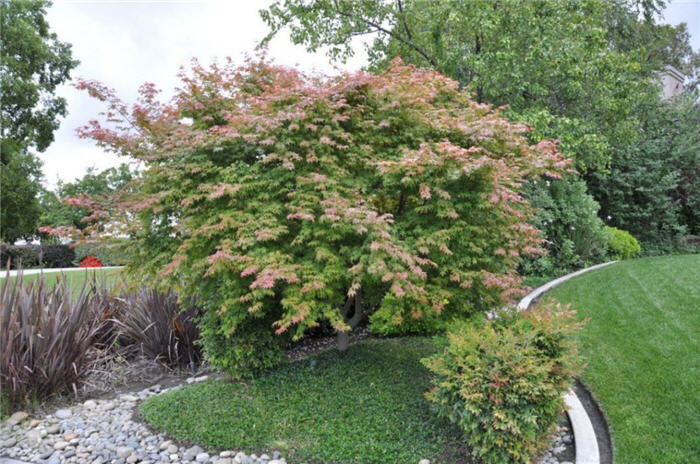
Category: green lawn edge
<point>75,277</point>
<point>642,352</point>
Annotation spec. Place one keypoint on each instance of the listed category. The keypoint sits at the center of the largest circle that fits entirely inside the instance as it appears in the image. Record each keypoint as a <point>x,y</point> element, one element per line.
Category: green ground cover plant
<point>641,346</point>
<point>365,405</point>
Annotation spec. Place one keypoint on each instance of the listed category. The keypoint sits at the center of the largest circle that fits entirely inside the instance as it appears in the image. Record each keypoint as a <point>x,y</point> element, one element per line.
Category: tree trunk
<point>352,313</point>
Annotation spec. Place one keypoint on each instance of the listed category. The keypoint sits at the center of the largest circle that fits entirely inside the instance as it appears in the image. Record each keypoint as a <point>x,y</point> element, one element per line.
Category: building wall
<point>672,82</point>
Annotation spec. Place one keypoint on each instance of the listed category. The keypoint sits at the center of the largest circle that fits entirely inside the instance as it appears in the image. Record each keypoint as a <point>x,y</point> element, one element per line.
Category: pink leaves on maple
<point>285,189</point>
<point>266,278</point>
<point>424,192</point>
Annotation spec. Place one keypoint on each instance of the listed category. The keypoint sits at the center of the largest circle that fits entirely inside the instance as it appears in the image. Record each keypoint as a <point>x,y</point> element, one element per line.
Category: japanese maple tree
<point>282,201</point>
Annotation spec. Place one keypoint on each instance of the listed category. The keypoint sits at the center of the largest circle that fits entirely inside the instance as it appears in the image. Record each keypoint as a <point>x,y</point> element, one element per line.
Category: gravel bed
<point>105,431</point>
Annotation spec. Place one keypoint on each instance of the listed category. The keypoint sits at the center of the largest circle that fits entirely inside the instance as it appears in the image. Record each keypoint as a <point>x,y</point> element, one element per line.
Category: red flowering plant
<point>281,200</point>
<point>90,261</point>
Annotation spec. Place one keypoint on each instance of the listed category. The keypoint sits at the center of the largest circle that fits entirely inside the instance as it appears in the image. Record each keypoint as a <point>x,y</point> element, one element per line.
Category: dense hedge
<point>112,253</point>
<point>32,256</point>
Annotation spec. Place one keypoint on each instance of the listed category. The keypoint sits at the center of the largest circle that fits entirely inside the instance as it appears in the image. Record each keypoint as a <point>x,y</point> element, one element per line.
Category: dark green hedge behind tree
<point>653,190</point>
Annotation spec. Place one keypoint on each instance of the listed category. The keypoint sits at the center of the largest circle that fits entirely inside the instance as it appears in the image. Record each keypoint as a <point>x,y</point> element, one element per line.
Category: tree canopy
<point>93,185</point>
<point>33,63</point>
<point>288,198</point>
<point>20,187</point>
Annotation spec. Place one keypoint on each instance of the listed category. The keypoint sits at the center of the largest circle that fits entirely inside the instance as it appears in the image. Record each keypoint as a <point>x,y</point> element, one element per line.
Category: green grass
<point>363,406</point>
<point>76,277</point>
<point>641,344</point>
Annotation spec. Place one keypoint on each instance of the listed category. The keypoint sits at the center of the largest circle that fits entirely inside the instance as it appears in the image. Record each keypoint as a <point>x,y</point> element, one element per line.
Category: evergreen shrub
<point>502,381</point>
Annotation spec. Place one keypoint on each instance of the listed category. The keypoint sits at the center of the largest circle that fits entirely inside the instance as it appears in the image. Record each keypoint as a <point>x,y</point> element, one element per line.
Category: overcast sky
<point>124,43</point>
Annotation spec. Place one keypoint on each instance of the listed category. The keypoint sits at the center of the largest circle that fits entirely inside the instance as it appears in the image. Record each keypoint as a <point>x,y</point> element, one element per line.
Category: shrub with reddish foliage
<point>278,198</point>
<point>90,261</point>
<point>47,337</point>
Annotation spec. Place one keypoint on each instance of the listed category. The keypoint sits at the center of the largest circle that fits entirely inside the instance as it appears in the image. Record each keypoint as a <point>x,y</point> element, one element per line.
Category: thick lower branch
<point>406,41</point>
<point>352,313</point>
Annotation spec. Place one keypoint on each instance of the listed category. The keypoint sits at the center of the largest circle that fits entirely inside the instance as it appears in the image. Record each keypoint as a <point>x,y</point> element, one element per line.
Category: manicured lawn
<point>363,406</point>
<point>75,277</point>
<point>643,355</point>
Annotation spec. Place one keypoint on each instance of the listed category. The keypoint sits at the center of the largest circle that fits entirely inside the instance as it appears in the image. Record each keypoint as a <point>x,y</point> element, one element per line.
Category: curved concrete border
<point>55,269</point>
<point>585,440</point>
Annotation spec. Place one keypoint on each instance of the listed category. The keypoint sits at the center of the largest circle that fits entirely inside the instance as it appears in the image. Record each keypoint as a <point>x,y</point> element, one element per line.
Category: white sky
<point>124,43</point>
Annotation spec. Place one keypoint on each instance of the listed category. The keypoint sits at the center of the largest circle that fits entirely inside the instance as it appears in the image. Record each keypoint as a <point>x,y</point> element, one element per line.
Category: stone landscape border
<point>585,440</point>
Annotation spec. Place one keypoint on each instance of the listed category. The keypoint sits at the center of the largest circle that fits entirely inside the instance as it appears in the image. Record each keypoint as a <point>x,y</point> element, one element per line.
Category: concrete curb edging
<point>536,293</point>
<point>585,440</point>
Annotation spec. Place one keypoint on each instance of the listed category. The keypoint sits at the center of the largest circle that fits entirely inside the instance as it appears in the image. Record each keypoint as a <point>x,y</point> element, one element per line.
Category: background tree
<point>20,186</point>
<point>33,62</point>
<point>652,190</point>
<point>94,185</point>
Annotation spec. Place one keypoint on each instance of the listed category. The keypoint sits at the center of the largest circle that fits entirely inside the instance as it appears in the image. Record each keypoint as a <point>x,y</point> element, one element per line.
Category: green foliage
<point>362,406</point>
<point>20,176</point>
<point>622,244</point>
<point>686,143</point>
<point>58,209</point>
<point>34,63</point>
<point>246,353</point>
<point>641,345</point>
<point>567,215</point>
<point>578,138</point>
<point>503,381</point>
<point>111,252</point>
<point>652,188</point>
<point>385,323</point>
<point>289,196</point>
